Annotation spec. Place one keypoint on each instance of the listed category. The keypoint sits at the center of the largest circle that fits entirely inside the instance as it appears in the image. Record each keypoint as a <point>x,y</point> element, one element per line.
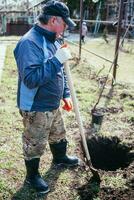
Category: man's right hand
<point>63,54</point>
<point>68,105</point>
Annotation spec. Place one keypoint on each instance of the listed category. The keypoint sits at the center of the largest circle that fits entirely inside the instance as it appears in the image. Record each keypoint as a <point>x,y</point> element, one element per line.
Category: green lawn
<point>125,71</point>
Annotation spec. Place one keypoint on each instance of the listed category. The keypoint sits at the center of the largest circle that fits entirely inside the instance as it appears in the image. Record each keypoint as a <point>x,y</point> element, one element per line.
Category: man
<point>84,31</point>
<point>41,86</point>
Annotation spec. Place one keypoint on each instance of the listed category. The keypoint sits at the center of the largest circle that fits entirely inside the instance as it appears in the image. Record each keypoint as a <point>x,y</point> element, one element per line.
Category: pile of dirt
<point>89,190</point>
<point>126,94</point>
<point>93,190</point>
<point>111,110</point>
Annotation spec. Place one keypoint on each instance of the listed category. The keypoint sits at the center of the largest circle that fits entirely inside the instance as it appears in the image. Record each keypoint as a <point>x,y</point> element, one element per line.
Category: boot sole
<point>41,192</point>
<point>68,165</point>
<point>44,192</point>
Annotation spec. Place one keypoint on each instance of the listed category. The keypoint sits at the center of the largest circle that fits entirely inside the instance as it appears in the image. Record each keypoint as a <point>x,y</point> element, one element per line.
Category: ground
<point>111,147</point>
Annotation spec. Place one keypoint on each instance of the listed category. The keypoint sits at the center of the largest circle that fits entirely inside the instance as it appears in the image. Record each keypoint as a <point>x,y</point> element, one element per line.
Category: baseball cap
<point>84,23</point>
<point>56,8</point>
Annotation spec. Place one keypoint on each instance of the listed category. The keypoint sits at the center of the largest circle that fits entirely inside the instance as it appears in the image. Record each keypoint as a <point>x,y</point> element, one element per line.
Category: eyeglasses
<point>60,20</point>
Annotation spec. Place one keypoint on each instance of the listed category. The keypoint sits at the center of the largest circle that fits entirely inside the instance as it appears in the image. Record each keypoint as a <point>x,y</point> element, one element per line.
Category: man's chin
<point>60,36</point>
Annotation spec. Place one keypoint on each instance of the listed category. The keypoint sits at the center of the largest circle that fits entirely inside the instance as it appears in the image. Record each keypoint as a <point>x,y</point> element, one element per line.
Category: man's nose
<point>65,26</point>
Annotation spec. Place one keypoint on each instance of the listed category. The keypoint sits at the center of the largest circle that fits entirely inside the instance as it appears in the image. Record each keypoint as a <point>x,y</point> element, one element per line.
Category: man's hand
<point>68,105</point>
<point>63,54</point>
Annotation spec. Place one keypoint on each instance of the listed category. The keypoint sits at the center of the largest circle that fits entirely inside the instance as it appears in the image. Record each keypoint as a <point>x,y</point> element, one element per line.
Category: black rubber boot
<point>33,177</point>
<point>59,154</point>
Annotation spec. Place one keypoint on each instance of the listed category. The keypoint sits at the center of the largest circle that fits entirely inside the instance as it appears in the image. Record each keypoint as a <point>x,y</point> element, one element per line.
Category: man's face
<point>58,26</point>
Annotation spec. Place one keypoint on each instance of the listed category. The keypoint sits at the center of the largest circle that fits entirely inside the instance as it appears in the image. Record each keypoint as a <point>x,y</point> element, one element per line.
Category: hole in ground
<point>109,153</point>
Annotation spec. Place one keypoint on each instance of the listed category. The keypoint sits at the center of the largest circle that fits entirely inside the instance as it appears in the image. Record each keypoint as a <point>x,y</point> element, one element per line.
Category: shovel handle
<point>77,112</point>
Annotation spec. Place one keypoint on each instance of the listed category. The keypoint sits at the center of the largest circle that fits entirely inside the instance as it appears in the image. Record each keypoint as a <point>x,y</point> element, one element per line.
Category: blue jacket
<point>42,82</point>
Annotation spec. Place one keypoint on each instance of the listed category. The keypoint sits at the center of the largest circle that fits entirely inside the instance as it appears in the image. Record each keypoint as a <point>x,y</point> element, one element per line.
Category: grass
<point>9,38</point>
<point>100,47</point>
<point>115,181</point>
<point>63,182</point>
<point>10,129</point>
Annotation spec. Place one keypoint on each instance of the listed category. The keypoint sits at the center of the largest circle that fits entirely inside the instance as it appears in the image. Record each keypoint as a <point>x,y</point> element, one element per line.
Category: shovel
<point>79,121</point>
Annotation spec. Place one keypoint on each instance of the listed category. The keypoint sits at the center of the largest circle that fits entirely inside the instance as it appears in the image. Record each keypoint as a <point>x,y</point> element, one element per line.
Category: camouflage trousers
<point>40,127</point>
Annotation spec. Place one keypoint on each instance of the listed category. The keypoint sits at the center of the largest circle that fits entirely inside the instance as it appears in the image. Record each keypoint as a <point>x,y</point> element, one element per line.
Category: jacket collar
<point>51,36</point>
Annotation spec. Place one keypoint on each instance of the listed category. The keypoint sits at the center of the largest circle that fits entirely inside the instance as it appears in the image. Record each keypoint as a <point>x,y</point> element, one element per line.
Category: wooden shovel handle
<point>77,112</point>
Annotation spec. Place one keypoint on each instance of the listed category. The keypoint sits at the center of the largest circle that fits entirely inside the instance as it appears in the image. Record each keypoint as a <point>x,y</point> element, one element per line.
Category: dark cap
<point>56,8</point>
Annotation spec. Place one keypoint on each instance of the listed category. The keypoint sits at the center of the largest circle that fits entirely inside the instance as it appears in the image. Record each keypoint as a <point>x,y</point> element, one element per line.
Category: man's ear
<point>52,20</point>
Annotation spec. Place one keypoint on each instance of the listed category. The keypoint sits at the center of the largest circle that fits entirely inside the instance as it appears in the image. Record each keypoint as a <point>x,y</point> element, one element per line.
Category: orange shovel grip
<point>64,45</point>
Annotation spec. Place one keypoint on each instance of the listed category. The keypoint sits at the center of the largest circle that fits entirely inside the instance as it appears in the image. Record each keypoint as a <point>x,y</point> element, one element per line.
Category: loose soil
<point>88,191</point>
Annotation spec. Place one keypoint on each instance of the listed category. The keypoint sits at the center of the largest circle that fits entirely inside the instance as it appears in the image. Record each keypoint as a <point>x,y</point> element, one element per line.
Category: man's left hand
<point>68,105</point>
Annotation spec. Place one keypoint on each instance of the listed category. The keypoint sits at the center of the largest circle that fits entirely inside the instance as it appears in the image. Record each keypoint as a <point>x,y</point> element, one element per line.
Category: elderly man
<point>42,85</point>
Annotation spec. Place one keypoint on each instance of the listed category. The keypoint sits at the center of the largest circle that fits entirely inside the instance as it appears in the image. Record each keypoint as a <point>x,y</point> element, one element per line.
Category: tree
<point>75,5</point>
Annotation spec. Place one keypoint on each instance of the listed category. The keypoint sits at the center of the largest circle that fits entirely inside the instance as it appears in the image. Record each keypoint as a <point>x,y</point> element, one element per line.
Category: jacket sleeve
<point>34,69</point>
<point>66,87</point>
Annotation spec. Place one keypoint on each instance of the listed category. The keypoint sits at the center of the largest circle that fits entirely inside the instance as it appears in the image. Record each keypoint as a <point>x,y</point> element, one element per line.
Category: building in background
<point>13,17</point>
<point>17,16</point>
